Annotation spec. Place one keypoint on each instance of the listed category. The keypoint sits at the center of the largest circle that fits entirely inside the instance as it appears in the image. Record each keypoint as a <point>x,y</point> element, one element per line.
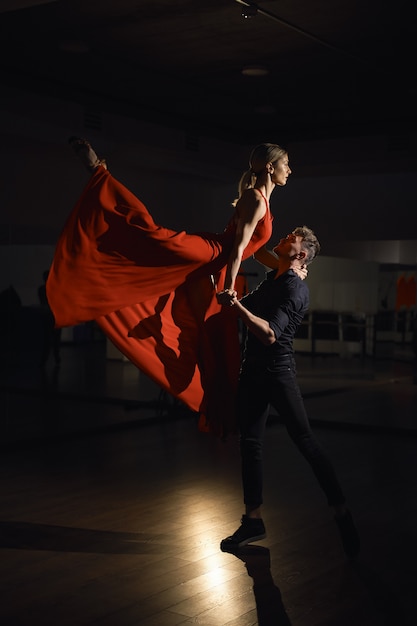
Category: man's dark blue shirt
<point>282,302</point>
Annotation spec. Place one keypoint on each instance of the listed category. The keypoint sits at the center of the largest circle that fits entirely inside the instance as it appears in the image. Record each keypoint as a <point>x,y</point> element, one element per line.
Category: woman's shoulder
<point>252,201</point>
<point>252,194</point>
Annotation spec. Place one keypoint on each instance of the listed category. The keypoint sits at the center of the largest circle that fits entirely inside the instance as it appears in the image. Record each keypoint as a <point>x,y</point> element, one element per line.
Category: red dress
<point>152,291</point>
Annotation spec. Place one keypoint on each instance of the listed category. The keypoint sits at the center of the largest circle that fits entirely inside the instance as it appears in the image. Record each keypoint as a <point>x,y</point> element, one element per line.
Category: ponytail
<point>247,181</point>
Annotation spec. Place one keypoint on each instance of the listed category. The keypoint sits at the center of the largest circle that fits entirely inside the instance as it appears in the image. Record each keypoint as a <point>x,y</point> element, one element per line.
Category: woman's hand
<point>301,271</point>
<point>226,297</point>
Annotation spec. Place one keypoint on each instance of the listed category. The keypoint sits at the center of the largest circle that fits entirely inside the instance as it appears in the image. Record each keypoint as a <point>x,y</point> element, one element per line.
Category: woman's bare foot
<point>85,152</point>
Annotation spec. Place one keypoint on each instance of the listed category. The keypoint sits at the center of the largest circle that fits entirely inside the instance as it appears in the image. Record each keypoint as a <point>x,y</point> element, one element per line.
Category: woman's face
<point>281,171</point>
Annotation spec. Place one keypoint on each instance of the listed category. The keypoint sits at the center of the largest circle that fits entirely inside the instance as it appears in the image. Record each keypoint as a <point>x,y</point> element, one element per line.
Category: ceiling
<point>336,68</point>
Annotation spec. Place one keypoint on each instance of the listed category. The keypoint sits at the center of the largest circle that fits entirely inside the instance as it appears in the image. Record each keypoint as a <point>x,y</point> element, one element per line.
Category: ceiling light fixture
<point>265,109</point>
<point>251,9</point>
<point>255,70</point>
<point>73,46</point>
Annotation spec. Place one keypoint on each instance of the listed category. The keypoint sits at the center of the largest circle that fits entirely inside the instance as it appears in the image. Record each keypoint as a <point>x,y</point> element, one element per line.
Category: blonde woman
<point>152,290</point>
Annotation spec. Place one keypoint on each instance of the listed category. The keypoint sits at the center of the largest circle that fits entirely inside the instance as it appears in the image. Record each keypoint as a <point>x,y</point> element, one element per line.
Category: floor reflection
<point>269,606</point>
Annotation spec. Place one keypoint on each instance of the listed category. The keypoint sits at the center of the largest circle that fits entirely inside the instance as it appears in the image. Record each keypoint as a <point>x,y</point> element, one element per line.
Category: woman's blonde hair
<point>261,155</point>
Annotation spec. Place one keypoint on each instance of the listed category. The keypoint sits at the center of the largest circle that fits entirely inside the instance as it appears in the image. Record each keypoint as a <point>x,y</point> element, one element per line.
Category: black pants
<point>275,384</point>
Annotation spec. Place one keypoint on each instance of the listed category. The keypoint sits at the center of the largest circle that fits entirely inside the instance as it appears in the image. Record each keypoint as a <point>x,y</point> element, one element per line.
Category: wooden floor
<point>113,504</point>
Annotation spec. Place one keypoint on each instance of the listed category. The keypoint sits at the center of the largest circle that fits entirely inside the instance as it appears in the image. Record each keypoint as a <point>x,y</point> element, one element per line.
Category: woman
<point>152,290</point>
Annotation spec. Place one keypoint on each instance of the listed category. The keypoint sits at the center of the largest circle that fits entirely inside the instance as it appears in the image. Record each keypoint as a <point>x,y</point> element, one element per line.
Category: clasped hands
<point>227,297</point>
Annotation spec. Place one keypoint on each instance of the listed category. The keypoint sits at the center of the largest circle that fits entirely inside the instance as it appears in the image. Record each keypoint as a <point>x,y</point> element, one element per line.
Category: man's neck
<point>285,265</point>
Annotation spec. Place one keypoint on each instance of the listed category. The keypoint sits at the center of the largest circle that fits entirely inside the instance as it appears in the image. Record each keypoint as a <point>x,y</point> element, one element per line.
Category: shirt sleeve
<point>288,314</point>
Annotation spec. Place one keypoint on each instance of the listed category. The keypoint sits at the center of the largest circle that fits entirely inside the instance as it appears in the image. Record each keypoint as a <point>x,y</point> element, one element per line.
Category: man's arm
<point>270,259</point>
<point>267,258</point>
<point>257,325</point>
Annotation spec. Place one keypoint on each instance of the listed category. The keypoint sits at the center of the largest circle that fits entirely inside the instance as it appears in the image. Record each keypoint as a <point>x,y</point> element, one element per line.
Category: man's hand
<point>227,297</point>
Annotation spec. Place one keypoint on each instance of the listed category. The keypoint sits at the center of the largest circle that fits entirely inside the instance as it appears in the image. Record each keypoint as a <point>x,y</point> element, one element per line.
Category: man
<point>272,314</point>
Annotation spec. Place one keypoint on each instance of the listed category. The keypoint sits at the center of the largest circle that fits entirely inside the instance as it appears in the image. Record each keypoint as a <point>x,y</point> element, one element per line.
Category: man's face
<point>289,246</point>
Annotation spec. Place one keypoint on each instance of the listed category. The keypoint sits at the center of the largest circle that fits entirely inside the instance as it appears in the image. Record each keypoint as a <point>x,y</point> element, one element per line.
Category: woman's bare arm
<point>251,208</point>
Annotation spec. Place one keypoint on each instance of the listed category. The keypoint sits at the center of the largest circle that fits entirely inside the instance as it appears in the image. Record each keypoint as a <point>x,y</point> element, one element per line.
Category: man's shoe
<point>349,535</point>
<point>251,529</point>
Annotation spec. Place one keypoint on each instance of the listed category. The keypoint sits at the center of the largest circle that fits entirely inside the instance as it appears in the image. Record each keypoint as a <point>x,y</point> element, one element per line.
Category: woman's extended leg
<point>85,152</point>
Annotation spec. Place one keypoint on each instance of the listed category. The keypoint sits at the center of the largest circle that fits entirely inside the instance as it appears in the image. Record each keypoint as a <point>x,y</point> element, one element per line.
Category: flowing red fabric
<point>152,292</point>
